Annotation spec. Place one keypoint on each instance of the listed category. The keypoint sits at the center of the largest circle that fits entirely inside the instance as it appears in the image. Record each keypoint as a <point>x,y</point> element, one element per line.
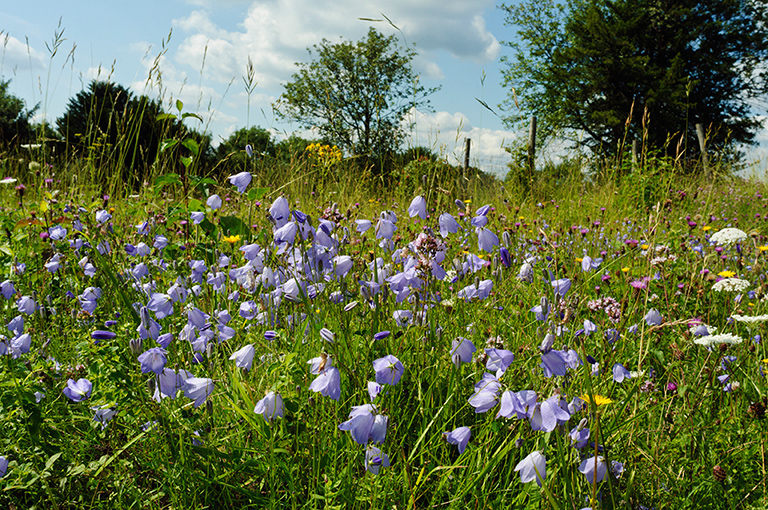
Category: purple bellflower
<point>459,436</point>
<point>271,406</point>
<point>388,370</point>
<point>533,467</point>
<point>78,391</point>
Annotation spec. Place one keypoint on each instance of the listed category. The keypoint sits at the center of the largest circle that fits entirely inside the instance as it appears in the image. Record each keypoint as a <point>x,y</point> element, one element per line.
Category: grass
<point>682,440</point>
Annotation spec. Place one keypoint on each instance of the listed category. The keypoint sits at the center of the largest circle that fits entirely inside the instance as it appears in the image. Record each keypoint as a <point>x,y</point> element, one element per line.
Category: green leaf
<point>165,116</point>
<point>193,115</point>
<point>165,180</point>
<point>179,105</point>
<point>167,144</point>
<point>257,193</point>
<point>233,225</point>
<point>192,145</point>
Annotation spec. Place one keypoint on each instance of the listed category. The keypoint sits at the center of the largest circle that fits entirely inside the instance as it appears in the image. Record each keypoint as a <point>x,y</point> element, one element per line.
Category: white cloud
<point>16,54</point>
<point>444,133</point>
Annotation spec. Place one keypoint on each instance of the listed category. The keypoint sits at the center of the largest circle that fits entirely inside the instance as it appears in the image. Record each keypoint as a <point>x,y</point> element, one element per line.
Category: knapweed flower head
<point>730,285</point>
<point>78,391</point>
<point>533,467</point>
<point>271,406</point>
<point>723,338</point>
<point>728,236</point>
<point>459,436</point>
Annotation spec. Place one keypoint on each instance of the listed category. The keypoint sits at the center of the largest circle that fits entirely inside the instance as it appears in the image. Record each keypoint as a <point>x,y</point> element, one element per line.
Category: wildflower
<point>244,357</point>
<point>546,415</point>
<point>388,370</point>
<point>620,373</point>
<point>448,224</point>
<point>3,460</point>
<point>728,236</point>
<point>103,335</point>
<point>498,360</point>
<point>366,424</point>
<point>375,459</point>
<point>161,304</point>
<point>726,274</point>
<point>486,393</point>
<point>374,389</point>
<point>418,208</point>
<point>730,285</point>
<point>271,406</point>
<point>533,467</point>
<point>104,415</point>
<point>750,319</point>
<point>153,360</point>
<point>459,436</point>
<point>103,216</point>
<point>198,389</point>
<point>723,338</point>
<point>78,391</point>
<point>653,317</point>
<point>599,400</point>
<point>241,180</point>
<point>562,286</point>
<point>214,202</point>
<point>594,468</point>
<point>231,239</point>
<point>461,351</point>
<point>328,383</point>
<point>197,217</point>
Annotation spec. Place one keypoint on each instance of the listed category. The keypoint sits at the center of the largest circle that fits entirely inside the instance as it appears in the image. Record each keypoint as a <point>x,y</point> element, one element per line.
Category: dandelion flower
<point>231,239</point>
<point>728,236</point>
<point>599,400</point>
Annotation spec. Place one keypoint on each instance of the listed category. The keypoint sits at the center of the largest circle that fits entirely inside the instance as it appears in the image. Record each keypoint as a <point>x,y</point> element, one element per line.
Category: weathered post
<point>532,150</point>
<point>467,143</point>
<point>703,147</point>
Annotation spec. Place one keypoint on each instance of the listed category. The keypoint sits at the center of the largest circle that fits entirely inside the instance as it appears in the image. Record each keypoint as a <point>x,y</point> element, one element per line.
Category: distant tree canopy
<point>231,154</point>
<point>356,94</point>
<point>107,122</point>
<point>600,72</point>
<point>14,117</point>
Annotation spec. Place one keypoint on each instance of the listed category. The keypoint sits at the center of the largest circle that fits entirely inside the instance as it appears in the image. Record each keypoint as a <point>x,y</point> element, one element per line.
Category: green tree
<point>14,117</point>
<point>356,94</point>
<point>231,154</point>
<point>602,72</point>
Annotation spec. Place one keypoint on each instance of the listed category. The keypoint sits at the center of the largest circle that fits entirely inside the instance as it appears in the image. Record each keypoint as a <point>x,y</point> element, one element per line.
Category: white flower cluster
<point>753,319</point>
<point>731,285</point>
<point>723,338</point>
<point>728,236</point>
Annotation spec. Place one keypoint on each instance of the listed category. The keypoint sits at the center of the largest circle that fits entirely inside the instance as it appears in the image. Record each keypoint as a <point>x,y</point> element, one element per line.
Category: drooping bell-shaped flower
<point>241,180</point>
<point>459,436</point>
<point>533,467</point>
<point>418,208</point>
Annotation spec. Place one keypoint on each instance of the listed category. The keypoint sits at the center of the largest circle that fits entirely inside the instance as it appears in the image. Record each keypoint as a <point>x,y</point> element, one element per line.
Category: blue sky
<point>459,41</point>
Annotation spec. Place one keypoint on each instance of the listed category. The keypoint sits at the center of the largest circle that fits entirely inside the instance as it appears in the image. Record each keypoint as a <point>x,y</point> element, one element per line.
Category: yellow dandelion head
<point>599,400</point>
<point>726,274</point>
<point>231,239</point>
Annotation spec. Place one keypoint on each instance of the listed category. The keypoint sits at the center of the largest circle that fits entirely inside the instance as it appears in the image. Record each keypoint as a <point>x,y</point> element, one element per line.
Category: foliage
<point>356,94</point>
<point>14,117</point>
<point>231,155</point>
<point>687,424</point>
<point>605,72</point>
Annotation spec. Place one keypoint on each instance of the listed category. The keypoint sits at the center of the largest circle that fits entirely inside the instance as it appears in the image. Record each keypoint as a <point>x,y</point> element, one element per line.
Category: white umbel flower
<point>753,319</point>
<point>731,285</point>
<point>723,338</point>
<point>728,236</point>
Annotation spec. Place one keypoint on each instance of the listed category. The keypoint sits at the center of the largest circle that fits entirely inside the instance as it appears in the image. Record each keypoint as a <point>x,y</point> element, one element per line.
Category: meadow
<point>298,336</point>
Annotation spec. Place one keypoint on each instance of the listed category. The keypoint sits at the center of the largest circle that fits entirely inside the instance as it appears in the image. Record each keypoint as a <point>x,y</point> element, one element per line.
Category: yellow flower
<point>762,248</point>
<point>231,239</point>
<point>644,246</point>
<point>706,227</point>
<point>726,274</point>
<point>625,270</point>
<point>579,259</point>
<point>599,400</point>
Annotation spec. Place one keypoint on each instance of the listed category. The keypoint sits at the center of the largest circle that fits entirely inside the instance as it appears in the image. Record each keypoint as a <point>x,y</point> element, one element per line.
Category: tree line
<point>599,73</point>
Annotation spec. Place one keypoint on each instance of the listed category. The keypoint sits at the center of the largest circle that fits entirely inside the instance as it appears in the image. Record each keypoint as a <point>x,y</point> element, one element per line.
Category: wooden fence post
<point>532,150</point>
<point>703,147</point>
<point>467,143</point>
